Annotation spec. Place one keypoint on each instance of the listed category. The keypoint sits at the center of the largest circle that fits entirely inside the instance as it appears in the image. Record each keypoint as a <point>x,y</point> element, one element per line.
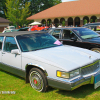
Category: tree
<point>35,5</point>
<point>95,20</point>
<point>85,21</point>
<point>17,12</point>
<point>40,5</point>
<point>63,23</point>
<point>91,20</point>
<point>2,8</point>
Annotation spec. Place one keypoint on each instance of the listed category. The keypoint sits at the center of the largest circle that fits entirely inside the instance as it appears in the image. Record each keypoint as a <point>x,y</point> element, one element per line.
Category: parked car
<point>9,30</point>
<point>43,61</point>
<point>11,27</point>
<point>23,29</point>
<point>37,28</point>
<point>78,36</point>
<point>13,30</point>
<point>94,26</point>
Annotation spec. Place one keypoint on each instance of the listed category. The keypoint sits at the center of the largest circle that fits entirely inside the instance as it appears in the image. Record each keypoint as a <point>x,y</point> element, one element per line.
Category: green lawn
<point>14,84</point>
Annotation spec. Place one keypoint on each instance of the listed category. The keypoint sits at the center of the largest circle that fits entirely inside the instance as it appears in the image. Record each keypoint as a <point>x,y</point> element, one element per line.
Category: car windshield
<point>86,33</point>
<point>37,41</point>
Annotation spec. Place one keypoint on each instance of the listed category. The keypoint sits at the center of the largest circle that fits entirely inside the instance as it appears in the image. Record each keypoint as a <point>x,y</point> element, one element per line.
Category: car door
<point>56,33</point>
<point>70,38</point>
<point>12,61</point>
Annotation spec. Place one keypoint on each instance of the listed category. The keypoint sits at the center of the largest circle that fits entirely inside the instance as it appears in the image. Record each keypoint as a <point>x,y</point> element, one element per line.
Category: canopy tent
<point>35,23</point>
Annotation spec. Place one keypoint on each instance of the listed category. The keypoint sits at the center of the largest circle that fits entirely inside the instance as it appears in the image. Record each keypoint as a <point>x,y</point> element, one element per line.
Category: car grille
<point>90,68</point>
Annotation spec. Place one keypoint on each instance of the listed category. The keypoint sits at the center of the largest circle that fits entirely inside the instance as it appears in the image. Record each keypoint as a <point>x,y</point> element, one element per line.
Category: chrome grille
<point>90,68</point>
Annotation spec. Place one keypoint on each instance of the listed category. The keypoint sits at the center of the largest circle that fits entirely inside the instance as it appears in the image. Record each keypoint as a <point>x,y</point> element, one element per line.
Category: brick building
<point>73,13</point>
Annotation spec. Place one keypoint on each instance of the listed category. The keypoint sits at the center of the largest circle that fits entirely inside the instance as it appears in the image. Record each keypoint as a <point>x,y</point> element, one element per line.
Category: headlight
<point>62,74</point>
<point>68,74</point>
<point>74,73</point>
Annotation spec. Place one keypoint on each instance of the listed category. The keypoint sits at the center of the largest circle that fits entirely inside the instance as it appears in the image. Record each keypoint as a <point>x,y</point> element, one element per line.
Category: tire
<point>96,50</point>
<point>38,80</point>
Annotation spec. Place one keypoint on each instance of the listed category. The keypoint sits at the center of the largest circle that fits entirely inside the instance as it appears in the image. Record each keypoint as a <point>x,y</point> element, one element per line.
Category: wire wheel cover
<point>36,80</point>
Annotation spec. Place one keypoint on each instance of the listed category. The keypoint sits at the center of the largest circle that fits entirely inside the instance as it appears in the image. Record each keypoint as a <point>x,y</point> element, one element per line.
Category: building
<point>3,23</point>
<point>72,13</point>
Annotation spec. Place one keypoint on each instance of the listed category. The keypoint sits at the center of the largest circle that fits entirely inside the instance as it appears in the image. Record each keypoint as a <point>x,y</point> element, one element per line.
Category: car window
<point>67,34</point>
<point>94,28</point>
<point>10,44</point>
<point>31,42</point>
<point>56,33</point>
<point>1,40</point>
<point>86,33</point>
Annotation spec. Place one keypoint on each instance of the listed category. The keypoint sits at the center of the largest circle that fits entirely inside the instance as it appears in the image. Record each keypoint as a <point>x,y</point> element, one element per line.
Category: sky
<point>67,0</point>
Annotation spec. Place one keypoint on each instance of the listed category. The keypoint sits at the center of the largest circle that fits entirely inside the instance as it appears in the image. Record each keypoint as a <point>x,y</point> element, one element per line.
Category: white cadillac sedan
<point>43,61</point>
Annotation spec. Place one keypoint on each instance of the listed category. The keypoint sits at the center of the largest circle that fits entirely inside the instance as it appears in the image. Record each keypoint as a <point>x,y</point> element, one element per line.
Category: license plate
<point>97,81</point>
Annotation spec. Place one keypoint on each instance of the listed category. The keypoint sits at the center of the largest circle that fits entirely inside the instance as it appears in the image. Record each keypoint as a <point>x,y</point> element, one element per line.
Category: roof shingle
<point>66,9</point>
<point>2,20</point>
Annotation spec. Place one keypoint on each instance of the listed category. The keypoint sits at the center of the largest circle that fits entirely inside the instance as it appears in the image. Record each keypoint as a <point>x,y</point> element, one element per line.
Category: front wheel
<point>96,50</point>
<point>38,80</point>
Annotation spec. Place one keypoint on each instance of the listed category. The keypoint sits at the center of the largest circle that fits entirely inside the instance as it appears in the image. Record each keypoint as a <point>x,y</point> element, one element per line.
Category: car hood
<point>65,57</point>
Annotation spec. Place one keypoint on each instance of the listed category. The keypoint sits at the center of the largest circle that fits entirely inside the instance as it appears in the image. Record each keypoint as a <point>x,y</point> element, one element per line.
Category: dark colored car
<point>93,26</point>
<point>78,36</point>
<point>14,30</point>
<point>23,29</point>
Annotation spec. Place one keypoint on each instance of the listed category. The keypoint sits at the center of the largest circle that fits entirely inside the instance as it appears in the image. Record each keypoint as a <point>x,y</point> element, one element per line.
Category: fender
<point>31,65</point>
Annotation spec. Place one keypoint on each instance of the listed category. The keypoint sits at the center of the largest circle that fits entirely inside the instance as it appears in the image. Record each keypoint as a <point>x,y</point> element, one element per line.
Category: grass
<point>12,83</point>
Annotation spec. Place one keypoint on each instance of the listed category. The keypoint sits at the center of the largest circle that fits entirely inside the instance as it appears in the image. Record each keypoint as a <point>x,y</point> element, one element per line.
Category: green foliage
<point>85,21</point>
<point>2,8</point>
<point>96,20</point>
<point>91,20</point>
<point>47,22</point>
<point>40,5</point>
<point>63,23</point>
<point>17,12</point>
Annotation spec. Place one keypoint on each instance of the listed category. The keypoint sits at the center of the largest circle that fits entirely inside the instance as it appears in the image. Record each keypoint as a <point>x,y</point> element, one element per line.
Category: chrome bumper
<point>72,84</point>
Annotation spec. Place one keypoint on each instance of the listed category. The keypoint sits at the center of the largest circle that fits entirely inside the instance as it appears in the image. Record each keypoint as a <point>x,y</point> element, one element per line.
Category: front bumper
<point>73,84</point>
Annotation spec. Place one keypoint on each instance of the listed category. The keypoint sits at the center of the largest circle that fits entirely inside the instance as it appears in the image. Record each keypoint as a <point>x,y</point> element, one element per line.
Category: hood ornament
<point>90,57</point>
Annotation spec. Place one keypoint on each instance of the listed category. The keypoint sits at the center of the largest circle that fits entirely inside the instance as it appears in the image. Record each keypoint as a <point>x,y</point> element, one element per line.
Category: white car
<point>43,61</point>
<point>9,29</point>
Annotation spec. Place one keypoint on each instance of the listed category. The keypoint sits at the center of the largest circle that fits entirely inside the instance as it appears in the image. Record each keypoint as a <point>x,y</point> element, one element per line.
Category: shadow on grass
<point>80,92</point>
<point>50,89</point>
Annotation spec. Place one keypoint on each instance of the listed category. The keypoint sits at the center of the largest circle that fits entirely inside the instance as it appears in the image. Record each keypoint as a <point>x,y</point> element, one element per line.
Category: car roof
<point>68,28</point>
<point>16,33</point>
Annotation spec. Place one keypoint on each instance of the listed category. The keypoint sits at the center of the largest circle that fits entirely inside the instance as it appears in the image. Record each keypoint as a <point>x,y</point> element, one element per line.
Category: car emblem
<point>90,57</point>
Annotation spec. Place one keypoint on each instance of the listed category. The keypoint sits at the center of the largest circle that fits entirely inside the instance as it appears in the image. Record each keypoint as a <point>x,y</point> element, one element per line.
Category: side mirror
<point>74,38</point>
<point>15,51</point>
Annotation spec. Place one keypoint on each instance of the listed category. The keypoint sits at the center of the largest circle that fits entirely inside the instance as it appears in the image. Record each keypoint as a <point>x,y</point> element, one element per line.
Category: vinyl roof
<point>68,9</point>
<point>16,33</point>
